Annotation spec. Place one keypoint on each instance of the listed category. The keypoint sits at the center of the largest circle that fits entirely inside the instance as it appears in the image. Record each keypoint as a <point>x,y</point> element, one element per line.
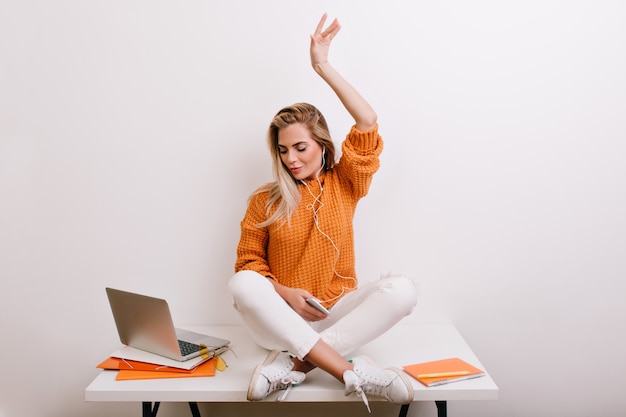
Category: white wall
<point>132,132</point>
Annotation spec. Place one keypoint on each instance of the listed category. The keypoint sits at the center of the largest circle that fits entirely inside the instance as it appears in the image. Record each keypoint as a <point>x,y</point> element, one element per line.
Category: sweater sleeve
<point>252,248</point>
<point>360,159</point>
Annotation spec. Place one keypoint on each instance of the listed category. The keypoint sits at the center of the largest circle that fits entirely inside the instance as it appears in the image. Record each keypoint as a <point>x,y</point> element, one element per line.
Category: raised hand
<point>364,116</point>
<point>321,39</point>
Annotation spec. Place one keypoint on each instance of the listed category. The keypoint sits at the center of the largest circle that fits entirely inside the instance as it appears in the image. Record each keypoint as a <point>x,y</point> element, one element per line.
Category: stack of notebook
<point>129,369</point>
<point>443,371</point>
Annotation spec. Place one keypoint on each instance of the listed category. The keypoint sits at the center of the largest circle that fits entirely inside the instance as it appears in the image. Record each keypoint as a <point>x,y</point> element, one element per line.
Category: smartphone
<point>314,302</point>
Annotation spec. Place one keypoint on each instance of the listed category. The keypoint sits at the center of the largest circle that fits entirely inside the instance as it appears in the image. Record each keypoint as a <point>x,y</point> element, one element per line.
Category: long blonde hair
<point>284,193</point>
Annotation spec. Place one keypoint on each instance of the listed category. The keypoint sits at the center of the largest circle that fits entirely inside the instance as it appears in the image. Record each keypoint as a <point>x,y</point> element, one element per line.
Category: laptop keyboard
<point>186,347</point>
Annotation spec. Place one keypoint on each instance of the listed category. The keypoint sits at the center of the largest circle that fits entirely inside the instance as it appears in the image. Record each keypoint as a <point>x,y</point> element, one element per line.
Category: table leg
<point>195,412</point>
<point>442,408</point>
<point>148,411</point>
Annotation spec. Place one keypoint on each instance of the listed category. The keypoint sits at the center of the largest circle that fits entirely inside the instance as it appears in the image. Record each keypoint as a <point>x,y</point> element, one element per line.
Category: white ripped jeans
<point>358,318</point>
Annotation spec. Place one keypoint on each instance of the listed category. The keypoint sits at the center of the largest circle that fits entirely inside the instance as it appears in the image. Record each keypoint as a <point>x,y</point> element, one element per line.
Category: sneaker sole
<point>257,372</point>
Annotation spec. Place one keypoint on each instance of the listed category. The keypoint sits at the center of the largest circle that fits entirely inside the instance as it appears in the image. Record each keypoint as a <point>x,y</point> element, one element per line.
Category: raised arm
<point>364,116</point>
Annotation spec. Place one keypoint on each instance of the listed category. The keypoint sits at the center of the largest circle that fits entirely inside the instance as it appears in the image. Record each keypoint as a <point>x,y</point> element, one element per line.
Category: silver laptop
<point>145,323</point>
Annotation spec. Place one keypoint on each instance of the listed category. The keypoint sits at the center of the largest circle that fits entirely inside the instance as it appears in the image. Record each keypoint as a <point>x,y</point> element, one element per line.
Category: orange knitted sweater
<point>298,254</point>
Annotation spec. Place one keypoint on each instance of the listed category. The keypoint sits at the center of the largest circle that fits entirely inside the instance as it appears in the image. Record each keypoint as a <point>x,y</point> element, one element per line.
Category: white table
<point>402,345</point>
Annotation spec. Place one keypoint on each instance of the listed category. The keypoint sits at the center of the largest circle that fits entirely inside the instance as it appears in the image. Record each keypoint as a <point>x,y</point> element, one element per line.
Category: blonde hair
<point>284,193</point>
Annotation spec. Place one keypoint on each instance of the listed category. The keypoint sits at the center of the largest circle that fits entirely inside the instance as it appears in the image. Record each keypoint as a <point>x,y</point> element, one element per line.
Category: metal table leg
<point>442,408</point>
<point>149,411</point>
<point>195,412</point>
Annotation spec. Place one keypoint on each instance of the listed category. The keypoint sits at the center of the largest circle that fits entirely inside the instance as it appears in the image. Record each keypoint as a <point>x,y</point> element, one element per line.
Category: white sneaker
<point>275,373</point>
<point>368,378</point>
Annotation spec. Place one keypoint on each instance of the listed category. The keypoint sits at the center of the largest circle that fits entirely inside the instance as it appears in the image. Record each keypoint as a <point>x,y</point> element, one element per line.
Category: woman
<point>297,243</point>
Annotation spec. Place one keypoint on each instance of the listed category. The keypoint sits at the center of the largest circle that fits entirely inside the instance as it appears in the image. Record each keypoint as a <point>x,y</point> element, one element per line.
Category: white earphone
<point>317,201</point>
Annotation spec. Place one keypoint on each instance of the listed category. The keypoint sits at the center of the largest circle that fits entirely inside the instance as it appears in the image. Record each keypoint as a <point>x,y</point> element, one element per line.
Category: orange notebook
<point>129,370</point>
<point>443,371</point>
<point>204,369</point>
<point>119,364</point>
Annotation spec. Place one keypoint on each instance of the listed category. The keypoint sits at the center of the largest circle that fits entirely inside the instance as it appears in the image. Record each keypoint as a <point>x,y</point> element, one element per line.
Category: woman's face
<point>300,153</point>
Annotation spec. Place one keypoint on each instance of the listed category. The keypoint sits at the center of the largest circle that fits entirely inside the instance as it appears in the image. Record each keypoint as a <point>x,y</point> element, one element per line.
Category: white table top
<point>402,345</point>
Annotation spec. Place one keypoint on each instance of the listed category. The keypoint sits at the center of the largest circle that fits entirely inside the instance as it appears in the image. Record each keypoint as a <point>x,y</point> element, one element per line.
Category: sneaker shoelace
<point>286,383</point>
<point>362,387</point>
<point>358,390</point>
